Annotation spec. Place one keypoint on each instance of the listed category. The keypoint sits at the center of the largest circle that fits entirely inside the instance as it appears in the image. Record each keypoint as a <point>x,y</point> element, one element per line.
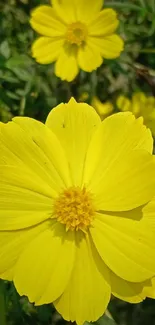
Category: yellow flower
<point>149,219</point>
<point>103,109</point>
<point>76,34</point>
<point>140,105</point>
<point>72,194</point>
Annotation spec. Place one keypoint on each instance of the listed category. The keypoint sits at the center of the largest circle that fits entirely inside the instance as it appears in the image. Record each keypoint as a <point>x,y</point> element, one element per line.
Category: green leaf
<point>22,74</point>
<point>5,49</point>
<point>12,95</point>
<point>18,61</point>
<point>125,5</point>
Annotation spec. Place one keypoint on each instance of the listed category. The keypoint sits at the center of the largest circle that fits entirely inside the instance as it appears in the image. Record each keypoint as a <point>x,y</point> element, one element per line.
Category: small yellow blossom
<point>76,34</point>
<point>103,109</point>
<point>139,105</point>
<point>72,194</point>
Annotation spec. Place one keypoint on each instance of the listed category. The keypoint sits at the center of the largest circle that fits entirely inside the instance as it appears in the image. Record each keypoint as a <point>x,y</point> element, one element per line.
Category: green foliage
<point>30,89</point>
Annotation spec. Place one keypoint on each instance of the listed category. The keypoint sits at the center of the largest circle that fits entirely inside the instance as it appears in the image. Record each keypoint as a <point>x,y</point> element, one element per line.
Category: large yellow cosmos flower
<point>72,194</point>
<point>76,34</point>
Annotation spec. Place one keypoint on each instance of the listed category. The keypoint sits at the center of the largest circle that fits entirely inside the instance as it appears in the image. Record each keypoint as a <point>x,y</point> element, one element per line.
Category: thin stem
<point>2,304</point>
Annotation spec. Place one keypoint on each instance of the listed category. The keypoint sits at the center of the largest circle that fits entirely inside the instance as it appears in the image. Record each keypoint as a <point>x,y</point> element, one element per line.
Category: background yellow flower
<point>76,34</point>
<point>140,105</point>
<point>103,109</point>
<point>63,209</point>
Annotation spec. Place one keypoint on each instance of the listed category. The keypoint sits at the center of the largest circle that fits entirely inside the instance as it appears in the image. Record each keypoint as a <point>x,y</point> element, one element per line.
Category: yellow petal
<point>70,11</point>
<point>24,199</point>
<point>88,292</point>
<point>103,109</point>
<point>110,47</point>
<point>140,97</point>
<point>32,174</point>
<point>136,105</point>
<point>127,291</point>
<point>12,243</point>
<point>89,57</point>
<point>123,103</point>
<point>74,125</point>
<point>46,50</point>
<point>126,246</point>
<point>149,288</point>
<point>30,144</point>
<point>65,9</point>
<point>128,183</point>
<point>117,169</point>
<point>88,9</point>
<point>105,23</point>
<point>66,67</point>
<point>44,267</point>
<point>149,214</point>
<point>45,21</point>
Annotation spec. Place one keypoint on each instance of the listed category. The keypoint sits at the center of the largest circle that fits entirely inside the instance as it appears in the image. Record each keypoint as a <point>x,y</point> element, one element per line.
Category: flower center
<point>76,33</point>
<point>74,208</point>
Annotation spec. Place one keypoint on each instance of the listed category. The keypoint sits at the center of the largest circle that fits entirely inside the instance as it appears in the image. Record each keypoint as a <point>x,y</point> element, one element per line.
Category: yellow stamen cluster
<point>74,208</point>
<point>76,33</point>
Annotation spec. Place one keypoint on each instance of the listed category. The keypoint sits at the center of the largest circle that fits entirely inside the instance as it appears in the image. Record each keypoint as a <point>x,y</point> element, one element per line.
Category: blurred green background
<point>30,89</point>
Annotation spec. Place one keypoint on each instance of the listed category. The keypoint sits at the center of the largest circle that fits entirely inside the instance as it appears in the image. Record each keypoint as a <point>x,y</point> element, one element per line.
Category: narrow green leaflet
<point>125,5</point>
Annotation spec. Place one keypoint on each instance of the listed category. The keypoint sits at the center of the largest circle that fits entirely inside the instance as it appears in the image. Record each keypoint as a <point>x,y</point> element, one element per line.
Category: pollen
<point>76,33</point>
<point>74,208</point>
